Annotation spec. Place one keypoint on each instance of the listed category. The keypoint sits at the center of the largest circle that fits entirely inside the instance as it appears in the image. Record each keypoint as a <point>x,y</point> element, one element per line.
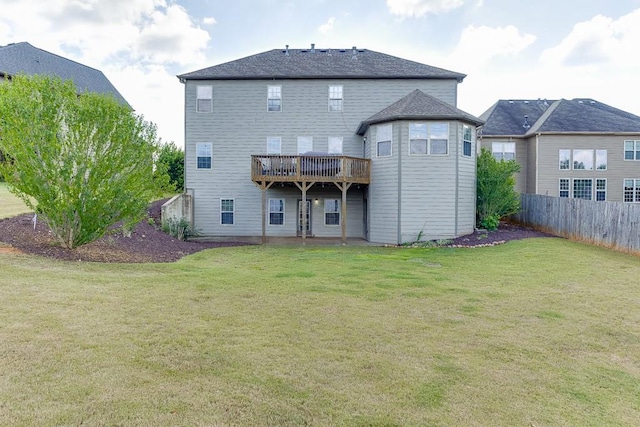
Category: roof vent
<point>313,48</point>
<point>526,124</point>
<point>286,50</point>
<point>526,102</point>
<point>354,50</point>
<point>592,102</point>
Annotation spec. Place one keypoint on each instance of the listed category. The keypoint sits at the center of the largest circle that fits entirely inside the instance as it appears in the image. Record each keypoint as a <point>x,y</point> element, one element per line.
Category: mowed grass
<point>542,332</point>
<point>10,205</point>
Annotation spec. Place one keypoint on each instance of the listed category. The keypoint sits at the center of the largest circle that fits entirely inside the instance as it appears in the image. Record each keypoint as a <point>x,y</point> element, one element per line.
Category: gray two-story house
<point>578,148</point>
<point>346,143</point>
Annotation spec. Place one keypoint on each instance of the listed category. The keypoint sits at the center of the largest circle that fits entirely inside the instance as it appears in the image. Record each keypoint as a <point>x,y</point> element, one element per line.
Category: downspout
<point>457,189</point>
<point>537,161</point>
<point>399,139</point>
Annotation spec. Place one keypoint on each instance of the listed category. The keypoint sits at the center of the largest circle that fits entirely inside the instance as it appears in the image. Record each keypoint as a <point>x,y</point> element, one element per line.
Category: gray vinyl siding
<point>529,167</point>
<point>240,124</point>
<point>429,196</point>
<point>617,167</point>
<point>383,191</point>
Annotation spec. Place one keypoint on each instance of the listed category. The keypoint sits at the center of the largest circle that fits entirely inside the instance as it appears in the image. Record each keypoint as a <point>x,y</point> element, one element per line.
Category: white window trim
<point>568,187</point>
<point>635,150</point>
<point>606,160</point>
<point>233,212</point>
<point>341,99</point>
<point>335,138</point>
<point>339,212</point>
<point>426,153</point>
<point>633,191</point>
<point>378,140</point>
<point>515,149</point>
<point>269,98</point>
<point>570,162</point>
<point>210,156</point>
<point>284,215</point>
<point>274,138</point>
<point>470,141</point>
<point>573,186</point>
<point>595,189</point>
<point>210,99</point>
<point>304,139</point>
<point>430,140</point>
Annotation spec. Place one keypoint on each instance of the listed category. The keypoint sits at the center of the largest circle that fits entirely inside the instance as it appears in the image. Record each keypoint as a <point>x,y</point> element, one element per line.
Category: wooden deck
<point>310,168</point>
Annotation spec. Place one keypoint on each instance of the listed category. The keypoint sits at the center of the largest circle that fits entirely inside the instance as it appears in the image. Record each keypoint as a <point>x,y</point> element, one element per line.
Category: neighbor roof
<point>507,118</point>
<point>321,64</point>
<point>418,106</point>
<point>17,58</point>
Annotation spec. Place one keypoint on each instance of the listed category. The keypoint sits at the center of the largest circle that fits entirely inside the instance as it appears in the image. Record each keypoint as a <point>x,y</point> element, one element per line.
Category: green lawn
<point>542,332</point>
<point>10,205</point>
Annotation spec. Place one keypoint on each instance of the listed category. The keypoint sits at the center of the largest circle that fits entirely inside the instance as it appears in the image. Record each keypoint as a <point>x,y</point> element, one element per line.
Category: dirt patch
<point>505,233</point>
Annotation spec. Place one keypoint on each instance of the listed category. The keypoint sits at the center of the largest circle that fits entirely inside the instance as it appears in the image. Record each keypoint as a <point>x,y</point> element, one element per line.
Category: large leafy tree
<point>496,193</point>
<point>171,161</point>
<point>82,162</point>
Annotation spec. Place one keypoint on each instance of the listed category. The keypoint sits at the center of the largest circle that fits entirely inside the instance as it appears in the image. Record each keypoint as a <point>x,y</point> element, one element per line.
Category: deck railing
<point>310,168</point>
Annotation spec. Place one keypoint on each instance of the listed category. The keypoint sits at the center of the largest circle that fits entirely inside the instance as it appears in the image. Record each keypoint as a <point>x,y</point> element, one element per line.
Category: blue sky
<point>509,49</point>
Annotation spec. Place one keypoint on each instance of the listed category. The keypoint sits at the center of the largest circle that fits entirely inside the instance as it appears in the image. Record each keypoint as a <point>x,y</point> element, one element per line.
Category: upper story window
<point>274,145</point>
<point>274,98</point>
<point>335,98</point>
<point>504,150</point>
<point>467,140</point>
<point>418,137</point>
<point>564,160</point>
<point>438,138</point>
<point>203,155</point>
<point>204,99</point>
<point>632,150</point>
<point>582,159</point>
<point>432,138</point>
<point>601,160</point>
<point>335,145</point>
<point>383,140</point>
<point>305,144</point>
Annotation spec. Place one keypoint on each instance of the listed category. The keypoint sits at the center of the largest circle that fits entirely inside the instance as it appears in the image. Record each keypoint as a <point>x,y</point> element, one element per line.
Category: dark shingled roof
<point>24,58</point>
<point>321,64</point>
<point>506,117</point>
<point>418,106</point>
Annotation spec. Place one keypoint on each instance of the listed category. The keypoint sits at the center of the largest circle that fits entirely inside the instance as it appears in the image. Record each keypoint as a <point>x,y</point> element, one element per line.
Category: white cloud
<point>478,46</point>
<point>409,8</point>
<point>328,26</point>
<point>209,20</point>
<point>601,41</point>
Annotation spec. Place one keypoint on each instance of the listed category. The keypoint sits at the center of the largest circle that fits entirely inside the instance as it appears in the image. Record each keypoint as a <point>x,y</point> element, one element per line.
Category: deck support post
<point>304,186</point>
<point>264,186</point>
<point>343,186</point>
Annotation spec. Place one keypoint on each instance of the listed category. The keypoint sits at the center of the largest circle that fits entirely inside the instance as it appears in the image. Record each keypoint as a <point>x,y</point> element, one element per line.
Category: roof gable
<point>321,64</point>
<point>418,106</point>
<point>24,58</point>
<point>580,115</point>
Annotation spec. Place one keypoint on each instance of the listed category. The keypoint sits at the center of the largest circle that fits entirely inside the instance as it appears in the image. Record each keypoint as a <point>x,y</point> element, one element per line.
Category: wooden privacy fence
<point>610,224</point>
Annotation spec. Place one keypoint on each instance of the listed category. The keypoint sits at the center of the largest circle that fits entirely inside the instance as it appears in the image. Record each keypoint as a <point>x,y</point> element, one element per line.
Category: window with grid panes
<point>276,211</point>
<point>565,188</point>
<point>631,190</point>
<point>274,98</point>
<point>335,98</point>
<point>601,190</point>
<point>582,189</point>
<point>332,211</point>
<point>226,211</point>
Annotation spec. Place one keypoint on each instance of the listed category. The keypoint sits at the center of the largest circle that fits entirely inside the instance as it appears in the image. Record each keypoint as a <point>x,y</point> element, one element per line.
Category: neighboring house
<point>577,148</point>
<point>17,58</point>
<point>337,142</point>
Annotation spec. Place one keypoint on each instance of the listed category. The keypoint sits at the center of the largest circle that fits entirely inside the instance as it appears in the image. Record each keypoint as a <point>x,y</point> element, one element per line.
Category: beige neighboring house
<point>578,148</point>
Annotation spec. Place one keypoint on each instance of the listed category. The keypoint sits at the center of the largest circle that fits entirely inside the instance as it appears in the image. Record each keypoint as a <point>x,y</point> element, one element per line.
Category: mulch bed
<point>147,242</point>
<point>150,244</point>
